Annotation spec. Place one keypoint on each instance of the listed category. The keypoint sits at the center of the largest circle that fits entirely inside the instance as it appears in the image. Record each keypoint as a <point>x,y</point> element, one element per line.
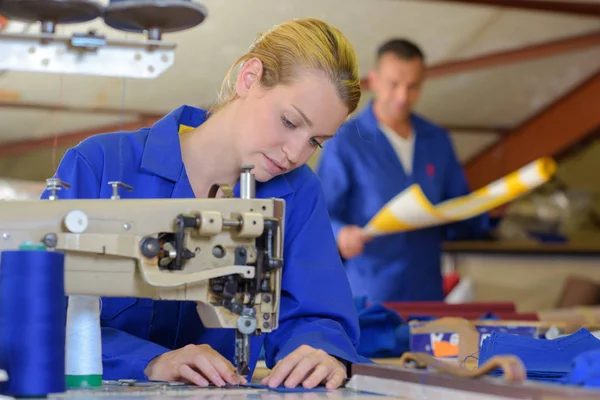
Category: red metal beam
<point>9,149</point>
<point>22,105</point>
<point>501,58</point>
<point>475,129</point>
<point>549,133</point>
<point>563,7</point>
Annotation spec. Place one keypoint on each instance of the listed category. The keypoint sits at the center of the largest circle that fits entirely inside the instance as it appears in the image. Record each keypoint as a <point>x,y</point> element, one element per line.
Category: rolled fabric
<point>411,210</point>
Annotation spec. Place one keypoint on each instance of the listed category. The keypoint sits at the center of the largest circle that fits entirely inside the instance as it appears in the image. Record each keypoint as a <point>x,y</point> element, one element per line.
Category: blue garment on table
<point>316,306</point>
<point>585,370</point>
<point>544,359</point>
<point>283,389</point>
<point>383,333</point>
<point>361,172</point>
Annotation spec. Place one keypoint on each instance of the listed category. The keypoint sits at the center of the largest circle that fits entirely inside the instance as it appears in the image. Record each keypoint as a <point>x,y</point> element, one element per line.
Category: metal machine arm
<point>224,254</point>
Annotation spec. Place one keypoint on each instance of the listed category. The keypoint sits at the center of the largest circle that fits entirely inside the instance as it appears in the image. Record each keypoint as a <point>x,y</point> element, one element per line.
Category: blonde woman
<point>292,91</point>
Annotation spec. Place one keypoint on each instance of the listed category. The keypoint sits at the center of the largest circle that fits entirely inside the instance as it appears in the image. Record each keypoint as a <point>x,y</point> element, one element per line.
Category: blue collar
<point>367,116</point>
<point>162,151</point>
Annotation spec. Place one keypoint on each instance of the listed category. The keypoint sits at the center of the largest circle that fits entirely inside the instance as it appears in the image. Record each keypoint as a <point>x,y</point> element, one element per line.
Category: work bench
<point>530,274</point>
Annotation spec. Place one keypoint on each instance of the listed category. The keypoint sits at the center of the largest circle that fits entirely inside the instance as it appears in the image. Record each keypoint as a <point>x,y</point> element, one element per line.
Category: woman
<point>295,87</point>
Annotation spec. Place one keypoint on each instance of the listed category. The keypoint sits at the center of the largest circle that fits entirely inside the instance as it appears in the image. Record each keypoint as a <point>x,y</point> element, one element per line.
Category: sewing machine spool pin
<point>53,185</point>
<point>115,187</point>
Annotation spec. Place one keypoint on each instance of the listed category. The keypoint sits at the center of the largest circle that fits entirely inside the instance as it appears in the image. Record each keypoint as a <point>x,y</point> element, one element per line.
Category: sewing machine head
<point>225,254</point>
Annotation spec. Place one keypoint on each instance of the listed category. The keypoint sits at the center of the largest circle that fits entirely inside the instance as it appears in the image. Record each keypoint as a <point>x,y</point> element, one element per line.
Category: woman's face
<point>279,129</point>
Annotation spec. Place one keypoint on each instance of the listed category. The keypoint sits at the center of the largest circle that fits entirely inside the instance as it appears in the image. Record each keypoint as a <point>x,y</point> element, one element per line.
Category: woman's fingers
<point>188,373</point>
<point>204,364</point>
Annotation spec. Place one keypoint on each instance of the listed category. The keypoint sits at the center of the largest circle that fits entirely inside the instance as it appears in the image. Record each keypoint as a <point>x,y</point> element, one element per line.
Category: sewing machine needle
<point>242,353</point>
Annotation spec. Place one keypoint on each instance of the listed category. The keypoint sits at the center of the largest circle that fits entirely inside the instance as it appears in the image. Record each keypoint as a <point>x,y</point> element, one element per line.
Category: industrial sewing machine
<point>224,254</point>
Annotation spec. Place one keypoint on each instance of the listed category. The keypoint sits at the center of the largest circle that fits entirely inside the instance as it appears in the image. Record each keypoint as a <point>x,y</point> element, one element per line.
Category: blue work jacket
<point>360,173</point>
<point>316,306</point>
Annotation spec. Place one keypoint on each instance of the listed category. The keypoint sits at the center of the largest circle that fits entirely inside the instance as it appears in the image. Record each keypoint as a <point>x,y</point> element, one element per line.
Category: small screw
<point>150,246</point>
<point>150,68</point>
<point>247,323</point>
<point>5,235</point>
<point>218,252</point>
<point>266,325</point>
<point>164,58</point>
<point>266,316</point>
<point>32,50</point>
<point>45,62</point>
<point>138,57</point>
<point>126,226</point>
<point>50,240</point>
<point>267,298</point>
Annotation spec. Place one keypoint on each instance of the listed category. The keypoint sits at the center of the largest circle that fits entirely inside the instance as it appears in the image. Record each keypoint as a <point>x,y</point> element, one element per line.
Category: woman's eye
<point>287,123</point>
<point>315,142</point>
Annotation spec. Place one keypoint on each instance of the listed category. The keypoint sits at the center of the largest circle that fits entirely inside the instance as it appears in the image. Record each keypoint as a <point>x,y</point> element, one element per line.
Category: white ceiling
<point>502,96</point>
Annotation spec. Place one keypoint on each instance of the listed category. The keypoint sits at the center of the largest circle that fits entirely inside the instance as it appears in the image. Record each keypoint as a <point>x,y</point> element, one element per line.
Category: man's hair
<point>401,48</point>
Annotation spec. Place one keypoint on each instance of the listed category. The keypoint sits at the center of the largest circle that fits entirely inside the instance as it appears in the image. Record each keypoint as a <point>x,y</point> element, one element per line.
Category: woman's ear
<point>248,77</point>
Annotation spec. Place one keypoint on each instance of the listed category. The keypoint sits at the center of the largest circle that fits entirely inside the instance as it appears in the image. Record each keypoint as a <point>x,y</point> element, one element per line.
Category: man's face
<point>396,84</point>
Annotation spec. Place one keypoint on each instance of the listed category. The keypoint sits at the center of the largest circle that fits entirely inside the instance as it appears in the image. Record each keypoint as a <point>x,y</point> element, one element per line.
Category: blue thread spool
<point>32,322</point>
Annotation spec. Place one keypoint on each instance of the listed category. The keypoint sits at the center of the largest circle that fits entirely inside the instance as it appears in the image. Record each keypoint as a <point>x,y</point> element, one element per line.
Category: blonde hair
<point>298,45</point>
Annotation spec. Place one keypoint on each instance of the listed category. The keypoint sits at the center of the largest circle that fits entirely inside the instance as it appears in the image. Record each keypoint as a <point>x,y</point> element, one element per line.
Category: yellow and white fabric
<point>411,210</point>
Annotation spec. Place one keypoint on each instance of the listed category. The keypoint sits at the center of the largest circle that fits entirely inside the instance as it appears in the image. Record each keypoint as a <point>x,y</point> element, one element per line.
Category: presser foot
<point>242,369</point>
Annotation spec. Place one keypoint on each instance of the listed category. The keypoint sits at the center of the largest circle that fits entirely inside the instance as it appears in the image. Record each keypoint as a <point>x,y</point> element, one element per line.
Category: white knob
<point>76,221</point>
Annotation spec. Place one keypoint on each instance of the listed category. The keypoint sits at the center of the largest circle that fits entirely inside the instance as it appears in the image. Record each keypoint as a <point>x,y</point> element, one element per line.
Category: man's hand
<point>308,366</point>
<point>196,364</point>
<point>351,241</point>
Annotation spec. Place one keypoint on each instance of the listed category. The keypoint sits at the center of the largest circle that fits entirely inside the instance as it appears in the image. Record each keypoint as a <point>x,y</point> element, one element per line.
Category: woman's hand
<point>198,364</point>
<point>308,366</point>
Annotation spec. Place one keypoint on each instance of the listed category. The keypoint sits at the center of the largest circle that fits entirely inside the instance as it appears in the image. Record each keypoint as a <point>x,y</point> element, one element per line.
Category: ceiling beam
<point>551,132</point>
<point>77,109</point>
<point>476,129</point>
<point>498,59</point>
<point>563,7</point>
<point>19,147</point>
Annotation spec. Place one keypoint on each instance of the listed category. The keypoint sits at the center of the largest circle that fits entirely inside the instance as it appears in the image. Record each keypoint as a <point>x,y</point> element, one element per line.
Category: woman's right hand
<point>198,364</point>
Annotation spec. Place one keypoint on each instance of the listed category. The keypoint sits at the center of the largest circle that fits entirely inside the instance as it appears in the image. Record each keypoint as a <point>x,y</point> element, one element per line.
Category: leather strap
<point>513,368</point>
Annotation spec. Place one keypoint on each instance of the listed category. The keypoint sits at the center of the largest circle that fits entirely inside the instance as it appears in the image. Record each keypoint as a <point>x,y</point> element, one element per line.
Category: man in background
<point>376,155</point>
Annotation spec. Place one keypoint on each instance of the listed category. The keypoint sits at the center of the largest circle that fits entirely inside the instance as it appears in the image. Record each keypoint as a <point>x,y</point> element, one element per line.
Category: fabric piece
<point>283,389</point>
<point>383,333</point>
<point>585,370</point>
<point>548,360</point>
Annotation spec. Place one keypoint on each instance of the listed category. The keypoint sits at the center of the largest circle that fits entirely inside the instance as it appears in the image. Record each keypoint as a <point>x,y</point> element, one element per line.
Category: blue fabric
<point>283,389</point>
<point>361,172</point>
<point>585,370</point>
<point>543,359</point>
<point>316,306</point>
<point>383,333</point>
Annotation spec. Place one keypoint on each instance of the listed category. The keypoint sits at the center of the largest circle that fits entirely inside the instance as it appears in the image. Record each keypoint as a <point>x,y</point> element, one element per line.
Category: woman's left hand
<point>308,366</point>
